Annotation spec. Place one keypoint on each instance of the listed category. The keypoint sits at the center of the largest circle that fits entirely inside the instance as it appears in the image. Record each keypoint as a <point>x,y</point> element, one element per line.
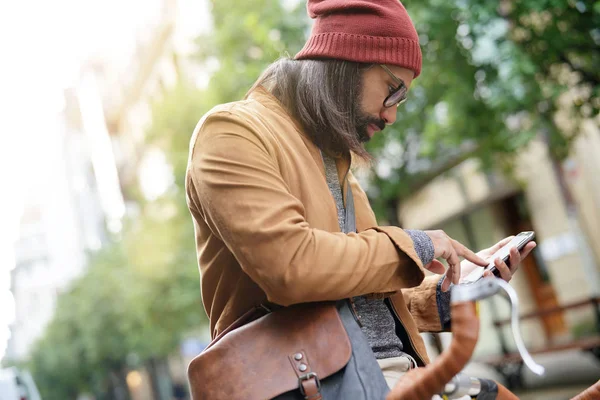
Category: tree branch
<point>421,180</point>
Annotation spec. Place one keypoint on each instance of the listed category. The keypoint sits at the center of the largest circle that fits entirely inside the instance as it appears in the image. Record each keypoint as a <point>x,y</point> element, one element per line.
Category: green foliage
<point>493,78</point>
<point>135,302</point>
<point>140,294</point>
<point>248,36</point>
<point>85,338</point>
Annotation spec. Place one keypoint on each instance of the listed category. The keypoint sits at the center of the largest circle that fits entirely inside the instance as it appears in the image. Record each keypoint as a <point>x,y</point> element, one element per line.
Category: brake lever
<point>487,287</point>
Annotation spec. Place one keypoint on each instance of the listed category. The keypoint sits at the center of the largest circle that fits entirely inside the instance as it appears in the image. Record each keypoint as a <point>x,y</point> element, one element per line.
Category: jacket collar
<point>343,161</point>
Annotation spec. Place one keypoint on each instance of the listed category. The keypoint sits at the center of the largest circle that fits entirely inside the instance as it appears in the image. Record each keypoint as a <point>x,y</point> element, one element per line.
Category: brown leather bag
<point>263,356</point>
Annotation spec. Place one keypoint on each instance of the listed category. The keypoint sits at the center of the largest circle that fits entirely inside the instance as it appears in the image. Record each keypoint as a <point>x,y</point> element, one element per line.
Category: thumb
<point>500,244</point>
<point>436,267</point>
<point>446,283</point>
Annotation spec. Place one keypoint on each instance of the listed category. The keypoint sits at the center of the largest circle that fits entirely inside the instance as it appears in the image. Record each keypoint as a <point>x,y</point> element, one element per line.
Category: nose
<point>388,114</point>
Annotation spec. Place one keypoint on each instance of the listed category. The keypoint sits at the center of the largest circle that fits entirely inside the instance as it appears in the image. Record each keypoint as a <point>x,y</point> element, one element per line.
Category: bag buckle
<point>307,377</point>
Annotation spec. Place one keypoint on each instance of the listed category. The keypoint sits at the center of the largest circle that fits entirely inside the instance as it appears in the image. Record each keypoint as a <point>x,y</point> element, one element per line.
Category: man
<point>271,192</point>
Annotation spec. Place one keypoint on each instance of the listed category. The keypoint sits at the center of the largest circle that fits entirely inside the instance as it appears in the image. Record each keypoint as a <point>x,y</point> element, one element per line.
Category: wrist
<point>423,245</point>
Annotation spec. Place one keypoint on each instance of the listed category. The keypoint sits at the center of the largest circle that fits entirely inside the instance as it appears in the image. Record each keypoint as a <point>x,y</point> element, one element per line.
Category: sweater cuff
<point>423,245</point>
<point>443,303</point>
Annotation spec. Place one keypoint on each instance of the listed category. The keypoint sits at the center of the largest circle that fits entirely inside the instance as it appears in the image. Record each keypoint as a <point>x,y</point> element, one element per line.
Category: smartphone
<point>518,241</point>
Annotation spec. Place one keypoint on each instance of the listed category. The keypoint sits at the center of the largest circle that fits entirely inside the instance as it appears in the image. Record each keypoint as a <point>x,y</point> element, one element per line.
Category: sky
<point>45,44</point>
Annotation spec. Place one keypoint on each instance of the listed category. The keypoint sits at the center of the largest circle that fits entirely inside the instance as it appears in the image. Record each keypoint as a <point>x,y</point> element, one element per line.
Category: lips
<point>371,129</point>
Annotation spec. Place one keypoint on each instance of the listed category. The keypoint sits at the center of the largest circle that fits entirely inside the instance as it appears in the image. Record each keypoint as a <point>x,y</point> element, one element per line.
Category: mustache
<point>379,123</point>
<point>364,121</point>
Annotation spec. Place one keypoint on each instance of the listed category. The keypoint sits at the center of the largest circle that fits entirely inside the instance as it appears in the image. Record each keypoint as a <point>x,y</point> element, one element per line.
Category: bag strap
<point>350,221</point>
<point>308,381</point>
<point>348,224</point>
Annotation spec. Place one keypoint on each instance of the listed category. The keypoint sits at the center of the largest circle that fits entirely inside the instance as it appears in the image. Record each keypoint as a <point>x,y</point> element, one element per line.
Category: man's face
<point>372,115</point>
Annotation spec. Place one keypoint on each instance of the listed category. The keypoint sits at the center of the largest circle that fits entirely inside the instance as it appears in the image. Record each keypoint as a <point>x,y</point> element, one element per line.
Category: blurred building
<point>92,155</point>
<point>62,221</point>
<point>559,201</point>
<point>128,97</point>
<point>127,92</point>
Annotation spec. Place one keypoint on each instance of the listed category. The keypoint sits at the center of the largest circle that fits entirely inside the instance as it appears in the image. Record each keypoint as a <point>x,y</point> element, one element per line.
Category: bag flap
<point>256,361</point>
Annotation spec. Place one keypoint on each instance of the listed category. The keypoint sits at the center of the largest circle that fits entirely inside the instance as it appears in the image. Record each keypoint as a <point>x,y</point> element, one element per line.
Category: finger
<point>527,249</point>
<point>445,284</point>
<point>451,275</point>
<point>453,268</point>
<point>500,244</point>
<point>488,274</point>
<point>503,268</point>
<point>468,254</point>
<point>448,279</point>
<point>436,267</point>
<point>515,260</point>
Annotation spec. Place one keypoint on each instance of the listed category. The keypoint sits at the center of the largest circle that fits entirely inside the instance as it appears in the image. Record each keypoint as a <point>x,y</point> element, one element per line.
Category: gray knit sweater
<point>377,321</point>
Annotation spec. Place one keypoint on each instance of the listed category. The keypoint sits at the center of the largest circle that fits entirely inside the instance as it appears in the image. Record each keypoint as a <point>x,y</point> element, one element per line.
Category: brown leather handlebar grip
<point>505,394</point>
<point>423,383</point>
<point>592,393</point>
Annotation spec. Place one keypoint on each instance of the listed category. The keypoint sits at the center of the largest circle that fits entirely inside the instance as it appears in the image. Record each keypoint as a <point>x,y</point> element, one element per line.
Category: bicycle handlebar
<point>440,377</point>
<point>423,383</point>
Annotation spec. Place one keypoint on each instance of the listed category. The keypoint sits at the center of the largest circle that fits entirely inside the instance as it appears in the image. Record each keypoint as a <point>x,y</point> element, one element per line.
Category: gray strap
<point>350,222</point>
<point>333,183</point>
<point>346,216</point>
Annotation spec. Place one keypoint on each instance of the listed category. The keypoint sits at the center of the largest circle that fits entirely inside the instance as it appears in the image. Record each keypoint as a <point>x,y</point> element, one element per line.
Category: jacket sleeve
<point>234,177</point>
<point>422,302</point>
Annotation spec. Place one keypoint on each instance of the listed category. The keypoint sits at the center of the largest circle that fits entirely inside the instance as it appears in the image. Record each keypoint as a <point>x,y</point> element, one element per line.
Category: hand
<point>506,272</point>
<point>450,250</point>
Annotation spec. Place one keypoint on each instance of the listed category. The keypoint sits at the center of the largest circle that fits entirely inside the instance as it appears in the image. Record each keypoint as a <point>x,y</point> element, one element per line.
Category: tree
<point>140,294</point>
<point>133,306</point>
<point>484,90</point>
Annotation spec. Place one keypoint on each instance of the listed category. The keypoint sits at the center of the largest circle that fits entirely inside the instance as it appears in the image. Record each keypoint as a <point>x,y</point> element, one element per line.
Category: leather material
<point>505,394</point>
<point>592,393</point>
<point>311,389</point>
<point>361,378</point>
<point>249,316</point>
<point>423,383</point>
<point>308,380</point>
<point>256,360</point>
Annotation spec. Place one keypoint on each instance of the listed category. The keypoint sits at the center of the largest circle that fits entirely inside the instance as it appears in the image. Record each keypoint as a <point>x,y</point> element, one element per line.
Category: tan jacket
<point>267,230</point>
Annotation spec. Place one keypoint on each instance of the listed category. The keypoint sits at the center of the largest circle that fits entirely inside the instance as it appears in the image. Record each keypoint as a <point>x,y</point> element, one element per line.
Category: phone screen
<point>503,253</point>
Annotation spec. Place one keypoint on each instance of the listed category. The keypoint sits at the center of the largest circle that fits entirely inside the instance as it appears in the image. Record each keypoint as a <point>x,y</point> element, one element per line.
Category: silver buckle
<point>306,377</point>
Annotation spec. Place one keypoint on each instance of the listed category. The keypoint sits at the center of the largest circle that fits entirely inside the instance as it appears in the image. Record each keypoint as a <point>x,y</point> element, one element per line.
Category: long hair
<point>324,97</point>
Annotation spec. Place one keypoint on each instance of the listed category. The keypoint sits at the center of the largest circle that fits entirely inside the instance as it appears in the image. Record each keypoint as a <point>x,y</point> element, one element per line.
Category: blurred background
<point>99,285</point>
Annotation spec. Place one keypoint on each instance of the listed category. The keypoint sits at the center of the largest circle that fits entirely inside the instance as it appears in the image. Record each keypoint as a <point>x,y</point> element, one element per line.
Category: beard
<point>362,122</point>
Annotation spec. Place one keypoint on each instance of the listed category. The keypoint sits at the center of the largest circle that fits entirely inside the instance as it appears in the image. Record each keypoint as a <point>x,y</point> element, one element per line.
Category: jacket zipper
<point>412,344</point>
<point>345,182</point>
<point>353,309</point>
<point>354,313</point>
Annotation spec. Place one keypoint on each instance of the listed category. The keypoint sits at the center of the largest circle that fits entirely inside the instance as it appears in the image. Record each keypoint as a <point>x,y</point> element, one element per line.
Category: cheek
<point>371,101</point>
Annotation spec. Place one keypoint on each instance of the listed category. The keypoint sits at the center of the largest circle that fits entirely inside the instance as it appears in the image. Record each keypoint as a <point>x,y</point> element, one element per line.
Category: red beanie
<point>377,31</point>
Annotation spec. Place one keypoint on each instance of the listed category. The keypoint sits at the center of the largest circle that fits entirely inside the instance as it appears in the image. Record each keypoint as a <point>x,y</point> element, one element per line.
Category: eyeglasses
<point>397,95</point>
